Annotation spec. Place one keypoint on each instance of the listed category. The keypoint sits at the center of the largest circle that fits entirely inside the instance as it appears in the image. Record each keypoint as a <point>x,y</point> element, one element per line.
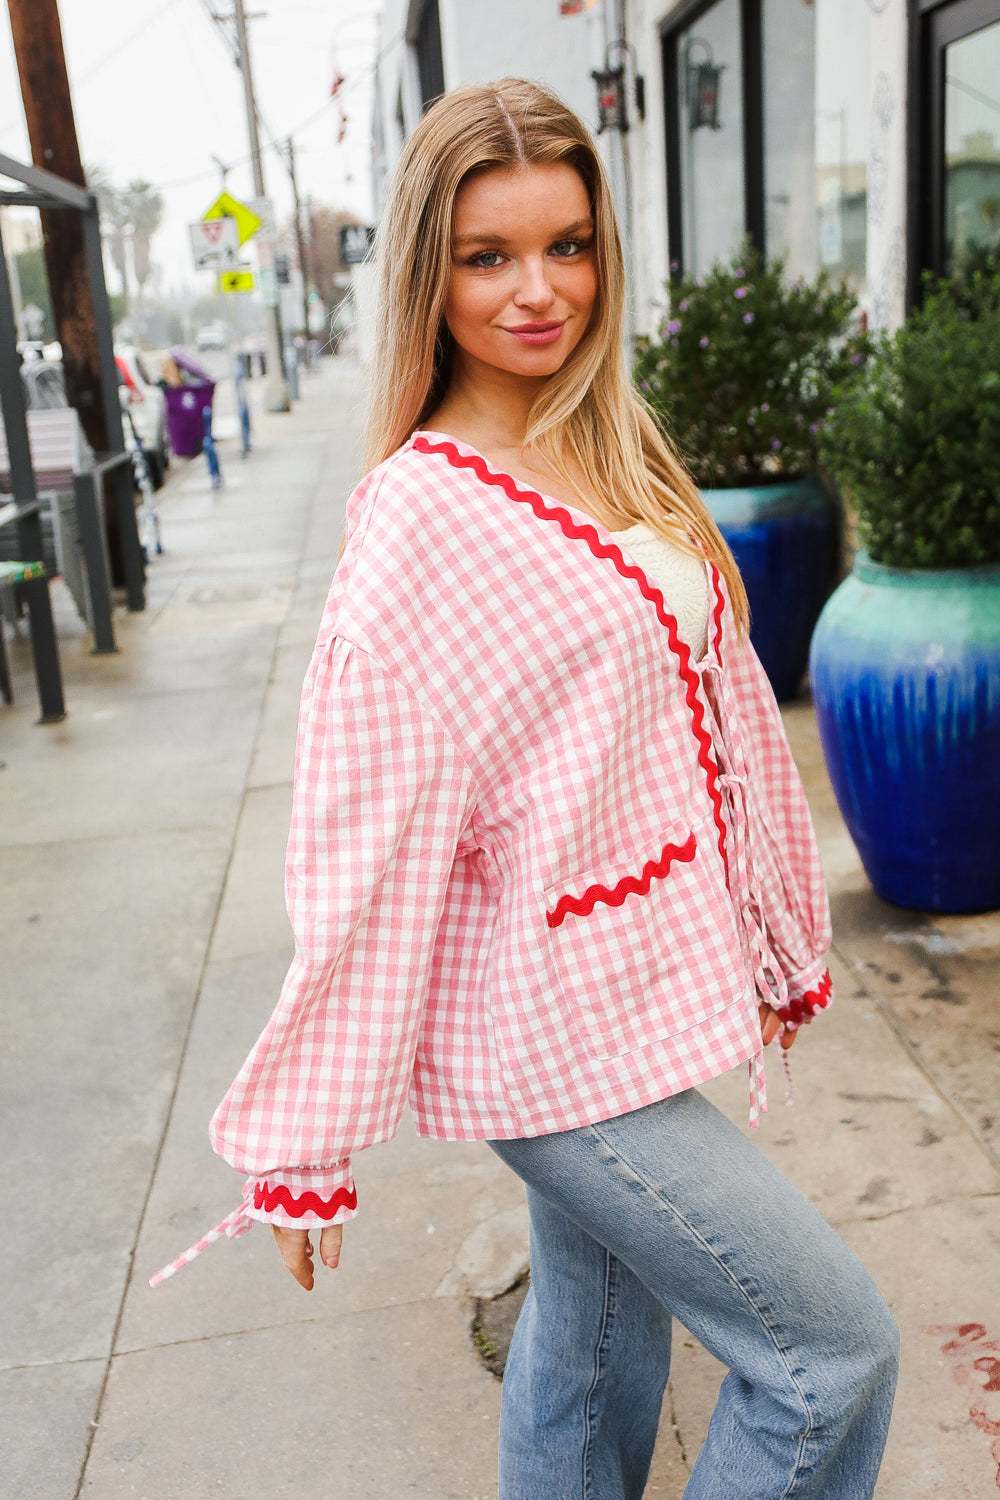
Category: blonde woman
<point>550,864</point>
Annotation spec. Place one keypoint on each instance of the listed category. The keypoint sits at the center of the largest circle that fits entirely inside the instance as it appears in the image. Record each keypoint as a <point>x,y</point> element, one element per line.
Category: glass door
<point>961,146</point>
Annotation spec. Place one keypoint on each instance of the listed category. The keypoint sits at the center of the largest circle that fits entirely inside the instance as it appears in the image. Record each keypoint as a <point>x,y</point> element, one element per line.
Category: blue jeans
<point>671,1210</point>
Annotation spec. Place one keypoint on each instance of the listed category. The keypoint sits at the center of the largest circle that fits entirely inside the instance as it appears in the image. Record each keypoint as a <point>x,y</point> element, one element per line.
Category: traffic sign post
<point>215,244</point>
<point>235,281</point>
<point>227,207</point>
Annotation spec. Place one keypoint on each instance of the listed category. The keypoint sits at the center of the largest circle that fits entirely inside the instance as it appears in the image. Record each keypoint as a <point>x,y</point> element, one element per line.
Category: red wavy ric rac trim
<point>586,533</point>
<point>269,1198</point>
<point>629,885</point>
<point>797,1011</point>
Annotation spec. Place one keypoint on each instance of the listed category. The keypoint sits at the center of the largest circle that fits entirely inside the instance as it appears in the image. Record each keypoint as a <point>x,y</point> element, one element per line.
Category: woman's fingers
<point>329,1245</point>
<point>771,1027</point>
<point>297,1250</point>
<point>770,1023</point>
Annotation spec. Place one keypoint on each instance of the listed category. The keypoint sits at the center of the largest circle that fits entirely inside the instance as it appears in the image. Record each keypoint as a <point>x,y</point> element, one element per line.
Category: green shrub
<point>914,441</point>
<point>742,370</point>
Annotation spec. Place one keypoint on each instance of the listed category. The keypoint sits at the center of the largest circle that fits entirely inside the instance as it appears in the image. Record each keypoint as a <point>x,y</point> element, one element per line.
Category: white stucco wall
<point>886,247</point>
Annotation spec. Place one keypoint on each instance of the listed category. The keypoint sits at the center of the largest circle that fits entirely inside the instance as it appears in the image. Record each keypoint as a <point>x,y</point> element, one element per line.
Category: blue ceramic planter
<point>905,674</point>
<point>784,538</point>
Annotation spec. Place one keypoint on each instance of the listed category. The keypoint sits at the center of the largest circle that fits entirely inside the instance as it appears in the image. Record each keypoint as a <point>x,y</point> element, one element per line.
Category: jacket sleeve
<point>786,857</point>
<point>381,797</point>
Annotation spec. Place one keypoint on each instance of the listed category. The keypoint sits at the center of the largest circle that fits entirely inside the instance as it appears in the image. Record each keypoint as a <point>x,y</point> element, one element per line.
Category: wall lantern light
<point>612,109</point>
<point>703,83</point>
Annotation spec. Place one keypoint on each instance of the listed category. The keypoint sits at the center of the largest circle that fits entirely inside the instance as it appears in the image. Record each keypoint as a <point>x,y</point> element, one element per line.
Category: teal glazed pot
<point>784,538</point>
<point>905,674</point>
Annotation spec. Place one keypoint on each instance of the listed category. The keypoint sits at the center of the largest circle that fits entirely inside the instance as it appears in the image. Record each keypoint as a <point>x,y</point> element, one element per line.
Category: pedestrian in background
<point>550,864</point>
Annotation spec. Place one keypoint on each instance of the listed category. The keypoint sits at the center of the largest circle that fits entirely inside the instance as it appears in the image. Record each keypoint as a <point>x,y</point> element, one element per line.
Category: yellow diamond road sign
<point>228,207</point>
<point>235,281</point>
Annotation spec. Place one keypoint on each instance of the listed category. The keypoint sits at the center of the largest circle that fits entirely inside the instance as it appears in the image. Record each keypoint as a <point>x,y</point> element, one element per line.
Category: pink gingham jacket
<point>542,864</point>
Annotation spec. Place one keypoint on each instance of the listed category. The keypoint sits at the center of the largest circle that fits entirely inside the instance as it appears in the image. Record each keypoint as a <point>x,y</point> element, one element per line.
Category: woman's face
<point>523,274</point>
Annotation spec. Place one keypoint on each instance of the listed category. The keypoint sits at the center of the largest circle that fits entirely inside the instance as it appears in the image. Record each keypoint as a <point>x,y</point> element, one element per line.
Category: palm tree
<point>144,211</point>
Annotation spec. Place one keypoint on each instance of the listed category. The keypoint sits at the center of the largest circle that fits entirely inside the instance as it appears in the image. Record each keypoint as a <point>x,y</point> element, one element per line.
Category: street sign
<point>215,244</point>
<point>268,286</point>
<point>235,281</point>
<point>228,207</point>
<point>355,242</point>
<point>263,208</point>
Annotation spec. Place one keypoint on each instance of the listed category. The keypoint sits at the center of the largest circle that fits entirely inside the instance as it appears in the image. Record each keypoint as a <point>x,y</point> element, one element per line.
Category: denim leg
<point>704,1222</point>
<point>586,1371</point>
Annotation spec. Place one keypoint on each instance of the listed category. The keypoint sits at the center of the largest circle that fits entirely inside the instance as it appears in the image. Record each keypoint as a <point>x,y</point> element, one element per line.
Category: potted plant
<point>905,665</point>
<point>741,375</point>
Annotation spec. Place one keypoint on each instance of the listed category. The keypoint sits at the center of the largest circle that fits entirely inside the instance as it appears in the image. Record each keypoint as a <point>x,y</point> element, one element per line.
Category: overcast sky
<point>156,95</point>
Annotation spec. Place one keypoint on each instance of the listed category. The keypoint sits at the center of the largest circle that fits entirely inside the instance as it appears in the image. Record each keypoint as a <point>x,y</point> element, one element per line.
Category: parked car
<point>212,336</point>
<point>148,408</point>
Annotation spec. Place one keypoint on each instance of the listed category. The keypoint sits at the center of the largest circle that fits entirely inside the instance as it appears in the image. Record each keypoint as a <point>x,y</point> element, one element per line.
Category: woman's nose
<point>534,290</point>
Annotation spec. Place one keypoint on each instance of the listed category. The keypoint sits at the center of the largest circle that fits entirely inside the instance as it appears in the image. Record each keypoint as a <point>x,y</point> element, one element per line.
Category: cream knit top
<point>682,580</point>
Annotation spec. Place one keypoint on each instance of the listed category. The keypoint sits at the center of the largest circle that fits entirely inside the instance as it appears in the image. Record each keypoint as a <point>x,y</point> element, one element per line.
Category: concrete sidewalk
<point>141,851</point>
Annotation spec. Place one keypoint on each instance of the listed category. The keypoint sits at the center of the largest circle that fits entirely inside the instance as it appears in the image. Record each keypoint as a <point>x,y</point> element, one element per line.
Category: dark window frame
<point>934,25</point>
<point>424,36</point>
<point>752,68</point>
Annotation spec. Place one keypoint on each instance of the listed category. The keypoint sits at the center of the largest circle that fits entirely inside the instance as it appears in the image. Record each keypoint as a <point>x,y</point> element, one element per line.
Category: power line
<point>125,42</point>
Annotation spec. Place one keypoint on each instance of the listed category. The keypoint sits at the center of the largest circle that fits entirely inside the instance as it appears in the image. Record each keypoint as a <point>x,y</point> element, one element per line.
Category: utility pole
<point>48,111</point>
<point>277,396</point>
<point>299,239</point>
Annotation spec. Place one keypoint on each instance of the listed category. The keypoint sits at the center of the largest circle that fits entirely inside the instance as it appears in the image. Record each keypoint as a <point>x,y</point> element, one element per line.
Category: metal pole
<point>120,475</point>
<point>299,240</point>
<point>15,290</point>
<point>44,647</point>
<point>277,397</point>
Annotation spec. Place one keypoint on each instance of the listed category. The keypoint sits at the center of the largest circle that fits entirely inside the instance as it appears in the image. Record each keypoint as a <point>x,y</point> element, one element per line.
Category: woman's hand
<point>770,1025</point>
<point>297,1250</point>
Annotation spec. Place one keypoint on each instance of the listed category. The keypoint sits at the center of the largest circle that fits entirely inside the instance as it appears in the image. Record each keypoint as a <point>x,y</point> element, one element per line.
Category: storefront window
<point>972,147</point>
<point>815,96</point>
<point>710,88</point>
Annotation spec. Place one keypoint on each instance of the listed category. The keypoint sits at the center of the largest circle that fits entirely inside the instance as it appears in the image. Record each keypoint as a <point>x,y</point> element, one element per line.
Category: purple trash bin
<point>185,404</point>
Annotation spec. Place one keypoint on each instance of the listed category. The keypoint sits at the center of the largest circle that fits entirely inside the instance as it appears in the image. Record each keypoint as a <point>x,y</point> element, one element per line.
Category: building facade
<point>857,136</point>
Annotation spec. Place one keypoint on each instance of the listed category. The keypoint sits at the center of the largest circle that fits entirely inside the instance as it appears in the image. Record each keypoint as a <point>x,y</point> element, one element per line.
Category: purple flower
<point>751,421</point>
<point>740,292</point>
<point>674,326</point>
<point>776,444</point>
<point>699,281</point>
<point>765,406</point>
<point>740,271</point>
<point>703,343</point>
<point>675,265</point>
<point>814,427</point>
<point>856,359</point>
<point>748,317</point>
<point>645,385</point>
<point>829,411</point>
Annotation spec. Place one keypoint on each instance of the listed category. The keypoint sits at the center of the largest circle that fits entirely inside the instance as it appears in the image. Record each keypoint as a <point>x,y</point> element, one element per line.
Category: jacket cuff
<point>303,1197</point>
<point>808,994</point>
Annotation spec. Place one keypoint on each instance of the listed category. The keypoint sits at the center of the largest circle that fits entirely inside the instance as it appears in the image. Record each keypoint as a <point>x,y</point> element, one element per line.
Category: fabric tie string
<point>769,980</point>
<point>232,1227</point>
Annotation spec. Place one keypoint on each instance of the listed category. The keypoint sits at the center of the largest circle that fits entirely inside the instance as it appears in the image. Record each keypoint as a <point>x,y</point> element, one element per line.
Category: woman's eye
<point>565,248</point>
<point>487,259</point>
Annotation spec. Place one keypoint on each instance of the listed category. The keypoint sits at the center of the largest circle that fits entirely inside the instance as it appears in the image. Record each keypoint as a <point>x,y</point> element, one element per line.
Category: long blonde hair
<point>587,418</point>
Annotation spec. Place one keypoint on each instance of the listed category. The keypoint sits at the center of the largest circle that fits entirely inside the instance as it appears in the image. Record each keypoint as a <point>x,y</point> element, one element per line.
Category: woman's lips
<point>537,333</point>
